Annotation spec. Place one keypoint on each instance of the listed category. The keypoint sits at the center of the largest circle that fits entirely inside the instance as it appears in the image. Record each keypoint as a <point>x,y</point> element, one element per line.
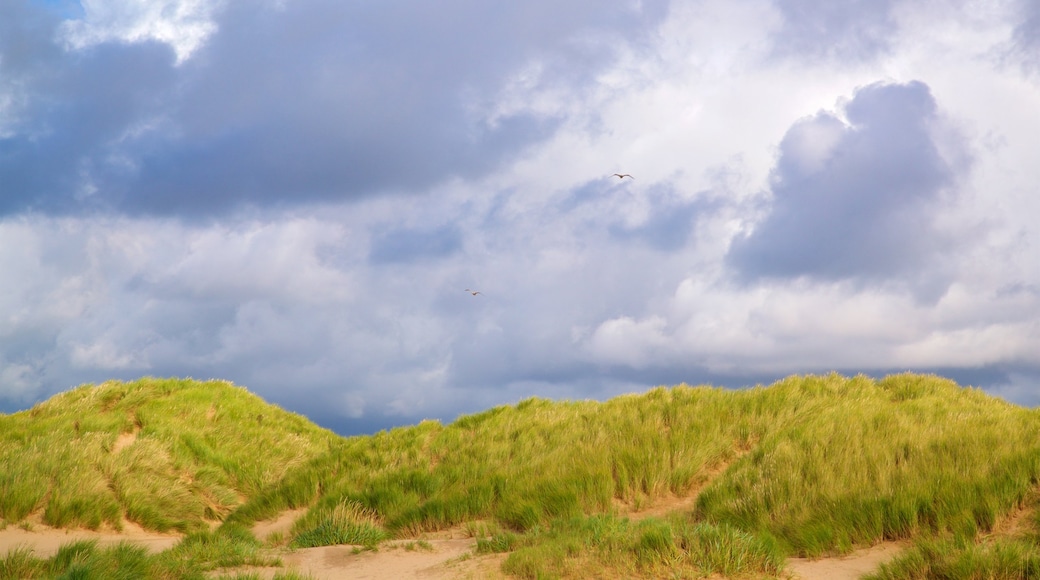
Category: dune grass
<point>344,523</point>
<point>872,461</point>
<point>951,559</point>
<point>188,454</point>
<point>609,546</point>
<point>809,466</point>
<point>199,556</point>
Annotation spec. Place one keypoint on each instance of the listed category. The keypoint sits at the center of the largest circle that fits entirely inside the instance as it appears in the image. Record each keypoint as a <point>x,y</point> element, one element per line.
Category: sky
<point>299,195</point>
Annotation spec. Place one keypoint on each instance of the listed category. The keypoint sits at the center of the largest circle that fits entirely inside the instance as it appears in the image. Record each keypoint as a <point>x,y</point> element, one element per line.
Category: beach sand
<point>443,556</point>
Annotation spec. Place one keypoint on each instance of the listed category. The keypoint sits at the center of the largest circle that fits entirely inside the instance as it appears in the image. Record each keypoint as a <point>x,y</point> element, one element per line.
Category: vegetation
<point>198,556</point>
<point>809,466</point>
<point>167,454</point>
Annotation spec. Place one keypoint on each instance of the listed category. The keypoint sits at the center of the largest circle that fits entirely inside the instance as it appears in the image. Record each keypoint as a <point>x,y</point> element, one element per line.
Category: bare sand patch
<point>847,567</point>
<point>125,440</point>
<point>44,541</point>
<point>446,555</point>
<point>661,506</point>
<point>668,503</point>
<point>1012,524</point>
<point>280,525</point>
<point>440,559</point>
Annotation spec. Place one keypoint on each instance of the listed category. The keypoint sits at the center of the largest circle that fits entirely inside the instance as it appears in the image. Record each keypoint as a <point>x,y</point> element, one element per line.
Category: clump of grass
<point>81,559</point>
<point>415,545</point>
<point>200,555</point>
<point>497,543</point>
<point>229,546</point>
<point>347,522</point>
<point>20,563</point>
<point>953,559</point>
<point>275,539</point>
<point>607,545</point>
<point>481,528</point>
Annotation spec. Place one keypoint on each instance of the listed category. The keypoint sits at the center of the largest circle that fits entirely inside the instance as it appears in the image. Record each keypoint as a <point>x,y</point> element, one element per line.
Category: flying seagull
<point>473,292</point>
<point>622,175</point>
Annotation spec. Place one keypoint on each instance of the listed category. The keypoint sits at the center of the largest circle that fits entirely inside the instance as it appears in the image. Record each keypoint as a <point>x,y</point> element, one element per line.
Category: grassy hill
<point>809,466</point>
<point>167,454</point>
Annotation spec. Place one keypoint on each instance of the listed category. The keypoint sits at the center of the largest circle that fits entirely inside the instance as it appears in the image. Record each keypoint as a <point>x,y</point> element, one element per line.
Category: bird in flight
<point>473,292</point>
<point>623,175</point>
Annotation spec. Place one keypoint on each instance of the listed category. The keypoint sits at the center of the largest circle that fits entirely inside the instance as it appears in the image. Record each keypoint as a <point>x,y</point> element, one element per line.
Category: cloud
<point>1026,35</point>
<point>628,342</point>
<point>196,108</point>
<point>853,30</point>
<point>856,198</point>
<point>408,245</point>
<point>71,119</point>
<point>297,199</point>
<point>183,24</point>
<point>665,221</point>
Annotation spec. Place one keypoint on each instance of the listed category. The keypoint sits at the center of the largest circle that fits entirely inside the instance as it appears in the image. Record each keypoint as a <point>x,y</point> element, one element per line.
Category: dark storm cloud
<point>57,167</point>
<point>853,201</point>
<point>316,100</point>
<point>67,113</point>
<point>848,30</point>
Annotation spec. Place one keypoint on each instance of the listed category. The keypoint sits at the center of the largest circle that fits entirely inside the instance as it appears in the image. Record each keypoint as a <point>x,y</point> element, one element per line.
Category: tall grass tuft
<point>200,555</point>
<point>347,522</point>
<point>19,563</point>
<point>960,560</point>
<point>608,546</point>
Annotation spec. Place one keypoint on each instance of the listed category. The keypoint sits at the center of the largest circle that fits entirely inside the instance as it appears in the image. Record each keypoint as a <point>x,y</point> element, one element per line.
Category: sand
<point>847,567</point>
<point>45,541</point>
<point>447,556</point>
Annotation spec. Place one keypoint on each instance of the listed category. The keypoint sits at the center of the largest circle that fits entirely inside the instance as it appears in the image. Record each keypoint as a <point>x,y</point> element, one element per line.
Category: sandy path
<point>446,555</point>
<point>444,563</point>
<point>342,562</point>
<point>444,559</point>
<point>45,541</point>
<point>848,567</point>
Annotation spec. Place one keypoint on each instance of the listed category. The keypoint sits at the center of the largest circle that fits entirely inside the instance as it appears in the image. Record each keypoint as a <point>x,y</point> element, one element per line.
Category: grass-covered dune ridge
<point>807,466</point>
<point>679,482</point>
<point>168,454</point>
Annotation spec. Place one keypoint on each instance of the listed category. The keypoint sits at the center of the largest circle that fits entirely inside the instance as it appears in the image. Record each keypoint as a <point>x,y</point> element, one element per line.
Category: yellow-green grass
<point>200,555</point>
<point>168,454</point>
<point>809,466</point>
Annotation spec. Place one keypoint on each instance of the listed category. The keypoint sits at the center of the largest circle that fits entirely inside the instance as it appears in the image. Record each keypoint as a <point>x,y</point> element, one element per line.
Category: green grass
<point>612,546</point>
<point>881,461</point>
<point>809,466</point>
<point>194,454</point>
<point>343,523</point>
<point>198,556</point>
